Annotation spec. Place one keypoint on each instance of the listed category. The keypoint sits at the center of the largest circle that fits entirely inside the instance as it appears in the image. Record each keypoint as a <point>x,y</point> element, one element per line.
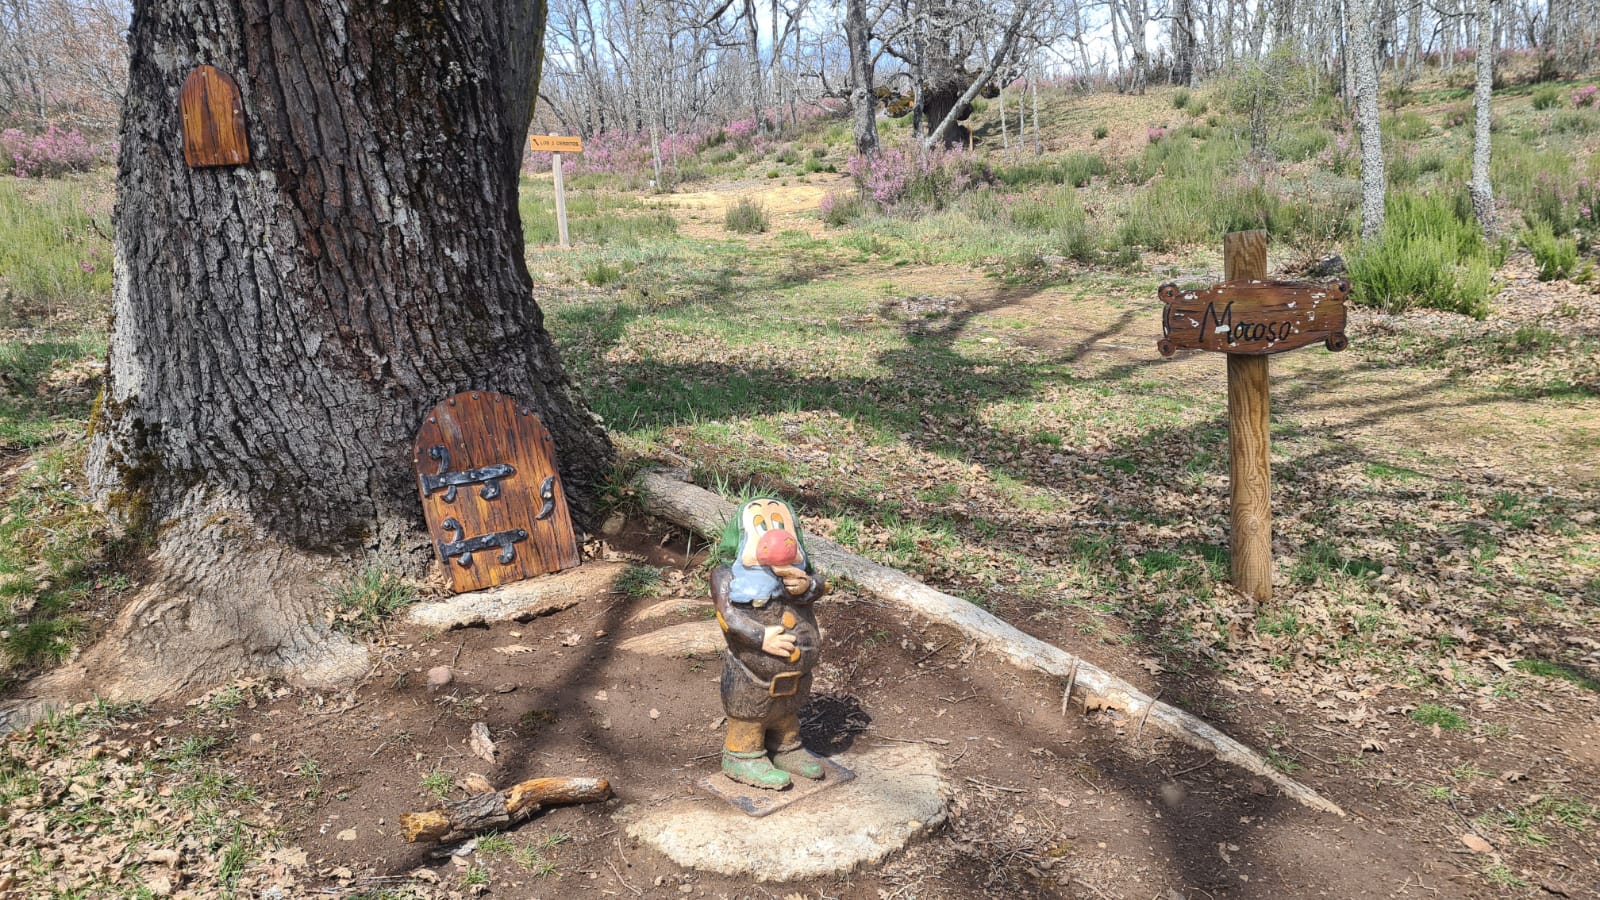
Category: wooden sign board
<point>549,143</point>
<point>1253,317</point>
<point>490,491</point>
<point>213,119</point>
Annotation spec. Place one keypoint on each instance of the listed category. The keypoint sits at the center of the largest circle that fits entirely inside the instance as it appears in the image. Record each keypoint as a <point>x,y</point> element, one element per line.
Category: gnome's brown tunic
<point>762,692</point>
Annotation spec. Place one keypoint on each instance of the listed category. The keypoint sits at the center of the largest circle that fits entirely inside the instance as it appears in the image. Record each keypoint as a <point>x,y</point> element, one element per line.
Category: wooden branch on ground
<point>520,600</point>
<point>495,810</point>
<point>700,510</point>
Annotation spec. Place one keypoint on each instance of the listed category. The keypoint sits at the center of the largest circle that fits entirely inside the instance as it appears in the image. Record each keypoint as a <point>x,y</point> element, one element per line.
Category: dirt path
<point>792,206</point>
<point>1045,804</point>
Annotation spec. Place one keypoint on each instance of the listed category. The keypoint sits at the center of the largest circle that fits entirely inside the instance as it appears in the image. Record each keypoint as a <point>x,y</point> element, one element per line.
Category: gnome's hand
<point>795,579</point>
<point>777,642</point>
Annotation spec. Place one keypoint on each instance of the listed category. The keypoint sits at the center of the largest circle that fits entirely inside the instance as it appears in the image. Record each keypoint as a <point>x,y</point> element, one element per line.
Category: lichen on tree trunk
<point>280,328</point>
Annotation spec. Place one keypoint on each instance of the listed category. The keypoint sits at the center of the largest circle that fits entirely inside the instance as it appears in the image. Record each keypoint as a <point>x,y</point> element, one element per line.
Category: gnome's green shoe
<point>753,769</point>
<point>798,762</point>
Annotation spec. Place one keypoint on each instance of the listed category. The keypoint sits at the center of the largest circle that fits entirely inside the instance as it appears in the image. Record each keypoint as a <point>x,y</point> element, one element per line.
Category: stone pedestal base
<point>897,795</point>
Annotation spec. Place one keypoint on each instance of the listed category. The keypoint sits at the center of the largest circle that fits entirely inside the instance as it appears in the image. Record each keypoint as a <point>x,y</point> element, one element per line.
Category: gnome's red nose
<point>777,548</point>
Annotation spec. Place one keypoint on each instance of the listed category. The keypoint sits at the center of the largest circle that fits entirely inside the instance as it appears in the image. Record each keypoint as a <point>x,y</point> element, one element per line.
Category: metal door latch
<point>462,548</point>
<point>448,481</point>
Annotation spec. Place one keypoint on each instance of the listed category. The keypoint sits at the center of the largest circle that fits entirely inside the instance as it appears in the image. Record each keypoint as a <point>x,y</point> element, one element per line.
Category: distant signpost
<point>555,145</point>
<point>1248,318</point>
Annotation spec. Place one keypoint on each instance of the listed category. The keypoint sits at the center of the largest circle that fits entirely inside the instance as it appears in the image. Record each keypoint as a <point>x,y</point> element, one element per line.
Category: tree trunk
<point>1366,85</point>
<point>863,102</point>
<point>281,327</point>
<point>1481,190</point>
<point>1183,42</point>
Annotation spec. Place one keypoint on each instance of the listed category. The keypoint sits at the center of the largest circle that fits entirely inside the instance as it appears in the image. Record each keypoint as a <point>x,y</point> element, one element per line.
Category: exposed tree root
<point>702,511</point>
<point>228,602</point>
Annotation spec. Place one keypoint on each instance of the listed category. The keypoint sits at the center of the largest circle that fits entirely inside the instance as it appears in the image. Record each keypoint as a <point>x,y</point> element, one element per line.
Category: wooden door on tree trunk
<point>495,507</point>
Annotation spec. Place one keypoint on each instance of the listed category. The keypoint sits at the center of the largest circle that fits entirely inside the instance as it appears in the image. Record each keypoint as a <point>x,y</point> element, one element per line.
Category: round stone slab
<point>897,795</point>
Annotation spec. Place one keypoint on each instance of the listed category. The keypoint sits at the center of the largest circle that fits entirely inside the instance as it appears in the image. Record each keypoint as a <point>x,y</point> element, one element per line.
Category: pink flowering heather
<point>1585,96</point>
<point>47,154</point>
<point>1156,134</point>
<point>894,177</point>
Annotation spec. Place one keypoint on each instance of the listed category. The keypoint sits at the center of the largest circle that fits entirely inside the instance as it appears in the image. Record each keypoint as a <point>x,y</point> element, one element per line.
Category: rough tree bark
<point>1481,190</point>
<point>863,102</point>
<point>281,327</point>
<point>1365,67</point>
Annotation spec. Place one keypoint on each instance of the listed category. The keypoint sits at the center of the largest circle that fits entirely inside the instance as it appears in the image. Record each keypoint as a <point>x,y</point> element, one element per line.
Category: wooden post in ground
<point>1244,257</point>
<point>561,201</point>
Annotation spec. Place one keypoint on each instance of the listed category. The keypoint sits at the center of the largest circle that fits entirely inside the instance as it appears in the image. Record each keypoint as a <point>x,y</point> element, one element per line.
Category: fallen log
<point>498,810</point>
<point>700,510</point>
<point>519,601</point>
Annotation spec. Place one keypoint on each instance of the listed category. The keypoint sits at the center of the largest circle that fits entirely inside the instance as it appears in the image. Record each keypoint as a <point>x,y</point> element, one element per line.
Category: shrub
<point>1397,95</point>
<point>838,210</point>
<point>1100,131</point>
<point>1078,169</point>
<point>1198,109</point>
<point>1428,255</point>
<point>747,217</point>
<point>1556,257</point>
<point>928,180</point>
<point>1547,97</point>
<point>599,272</point>
<point>1180,99</point>
<point>1574,121</point>
<point>1584,97</point>
<point>47,154</point>
<point>1301,144</point>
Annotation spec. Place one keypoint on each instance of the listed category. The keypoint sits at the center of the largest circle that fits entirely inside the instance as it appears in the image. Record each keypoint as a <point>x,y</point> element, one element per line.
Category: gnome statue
<point>763,597</point>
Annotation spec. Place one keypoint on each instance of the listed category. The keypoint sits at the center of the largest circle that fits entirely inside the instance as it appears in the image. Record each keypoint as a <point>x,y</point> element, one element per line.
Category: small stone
<point>504,688</point>
<point>655,713</point>
<point>158,885</point>
<point>256,738</point>
<point>439,676</point>
<point>349,834</point>
<point>685,888</point>
<point>613,525</point>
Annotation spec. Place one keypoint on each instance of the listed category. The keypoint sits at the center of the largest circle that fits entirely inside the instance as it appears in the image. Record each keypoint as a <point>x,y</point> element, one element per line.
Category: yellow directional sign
<point>550,143</point>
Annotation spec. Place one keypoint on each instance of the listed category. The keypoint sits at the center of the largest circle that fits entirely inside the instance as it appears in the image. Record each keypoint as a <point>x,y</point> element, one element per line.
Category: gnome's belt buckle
<point>785,684</point>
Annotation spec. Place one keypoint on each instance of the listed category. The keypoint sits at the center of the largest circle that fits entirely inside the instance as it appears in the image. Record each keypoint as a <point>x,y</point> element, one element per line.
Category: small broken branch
<point>498,810</point>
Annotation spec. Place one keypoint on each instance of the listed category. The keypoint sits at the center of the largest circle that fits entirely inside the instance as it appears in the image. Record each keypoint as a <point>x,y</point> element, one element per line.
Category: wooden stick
<point>1244,257</point>
<point>500,809</point>
<point>691,507</point>
<point>561,202</point>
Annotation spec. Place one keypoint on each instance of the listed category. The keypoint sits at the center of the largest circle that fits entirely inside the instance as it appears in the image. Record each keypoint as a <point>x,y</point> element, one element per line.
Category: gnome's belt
<point>783,684</point>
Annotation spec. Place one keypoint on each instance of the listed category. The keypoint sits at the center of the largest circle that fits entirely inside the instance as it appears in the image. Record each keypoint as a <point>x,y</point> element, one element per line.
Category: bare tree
<point>1481,190</point>
<point>1365,67</point>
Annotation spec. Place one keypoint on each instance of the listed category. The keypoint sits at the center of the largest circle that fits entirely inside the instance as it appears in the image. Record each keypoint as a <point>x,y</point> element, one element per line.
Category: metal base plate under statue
<point>759,802</point>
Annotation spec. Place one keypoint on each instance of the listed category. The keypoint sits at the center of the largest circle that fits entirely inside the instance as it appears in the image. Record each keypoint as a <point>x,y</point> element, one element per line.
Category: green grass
<point>1547,97</point>
<point>1431,714</point>
<point>54,253</point>
<point>366,602</point>
<point>639,582</point>
<point>596,216</point>
<point>1546,669</point>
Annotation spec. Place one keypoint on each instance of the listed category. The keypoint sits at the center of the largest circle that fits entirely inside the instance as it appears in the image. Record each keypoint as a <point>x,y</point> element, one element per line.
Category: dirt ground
<point>1044,804</point>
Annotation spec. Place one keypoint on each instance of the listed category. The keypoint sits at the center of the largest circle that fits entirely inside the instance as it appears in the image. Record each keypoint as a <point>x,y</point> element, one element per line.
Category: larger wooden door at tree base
<point>487,475</point>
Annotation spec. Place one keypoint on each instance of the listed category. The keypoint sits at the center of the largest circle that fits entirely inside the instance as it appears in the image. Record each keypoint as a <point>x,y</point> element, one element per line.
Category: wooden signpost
<point>486,471</point>
<point>555,145</point>
<point>1248,318</point>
